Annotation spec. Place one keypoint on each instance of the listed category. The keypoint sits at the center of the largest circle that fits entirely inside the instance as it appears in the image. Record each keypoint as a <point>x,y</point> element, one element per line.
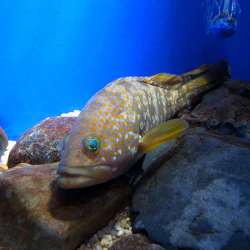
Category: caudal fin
<point>206,77</point>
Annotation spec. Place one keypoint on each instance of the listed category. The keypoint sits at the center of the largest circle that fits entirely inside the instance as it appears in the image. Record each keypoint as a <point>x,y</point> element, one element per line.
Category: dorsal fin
<point>173,82</point>
<point>164,80</point>
<point>191,75</point>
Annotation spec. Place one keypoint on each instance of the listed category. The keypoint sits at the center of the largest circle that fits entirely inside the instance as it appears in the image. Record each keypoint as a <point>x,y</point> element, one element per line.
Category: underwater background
<point>55,55</point>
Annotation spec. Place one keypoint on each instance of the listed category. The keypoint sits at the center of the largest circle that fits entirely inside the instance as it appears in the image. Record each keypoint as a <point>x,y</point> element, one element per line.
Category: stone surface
<point>36,214</point>
<point>225,110</point>
<point>135,242</point>
<point>196,195</point>
<point>40,144</point>
<point>3,141</point>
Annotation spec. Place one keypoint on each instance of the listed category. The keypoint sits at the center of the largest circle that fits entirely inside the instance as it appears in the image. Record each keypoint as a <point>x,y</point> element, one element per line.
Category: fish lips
<point>77,177</point>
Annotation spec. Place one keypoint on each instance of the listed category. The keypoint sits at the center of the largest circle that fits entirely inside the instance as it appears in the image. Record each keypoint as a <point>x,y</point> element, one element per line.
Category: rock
<point>36,214</point>
<point>5,248</point>
<point>238,87</point>
<point>196,195</point>
<point>3,141</point>
<point>40,144</point>
<point>135,242</point>
<point>225,110</point>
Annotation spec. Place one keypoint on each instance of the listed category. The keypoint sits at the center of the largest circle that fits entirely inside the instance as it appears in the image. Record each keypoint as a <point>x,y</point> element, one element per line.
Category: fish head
<point>97,149</point>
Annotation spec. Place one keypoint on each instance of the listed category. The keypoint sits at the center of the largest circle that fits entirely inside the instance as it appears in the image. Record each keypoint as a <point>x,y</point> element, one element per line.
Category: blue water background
<point>55,55</point>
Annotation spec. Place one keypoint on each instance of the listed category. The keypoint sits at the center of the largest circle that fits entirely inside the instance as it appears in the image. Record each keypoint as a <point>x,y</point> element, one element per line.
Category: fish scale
<point>126,119</point>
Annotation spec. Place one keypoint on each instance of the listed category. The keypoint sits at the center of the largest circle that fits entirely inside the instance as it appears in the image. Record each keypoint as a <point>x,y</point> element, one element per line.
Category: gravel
<point>116,229</point>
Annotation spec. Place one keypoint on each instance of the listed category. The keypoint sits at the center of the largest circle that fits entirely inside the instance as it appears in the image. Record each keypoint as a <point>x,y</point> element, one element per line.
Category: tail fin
<point>206,77</point>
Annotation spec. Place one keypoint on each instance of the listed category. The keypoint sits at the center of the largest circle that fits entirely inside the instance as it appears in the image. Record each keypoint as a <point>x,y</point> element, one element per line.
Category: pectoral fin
<point>164,132</point>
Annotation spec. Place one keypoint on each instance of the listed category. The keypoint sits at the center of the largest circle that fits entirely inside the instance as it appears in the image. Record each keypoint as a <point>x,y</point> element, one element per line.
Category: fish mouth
<point>77,177</point>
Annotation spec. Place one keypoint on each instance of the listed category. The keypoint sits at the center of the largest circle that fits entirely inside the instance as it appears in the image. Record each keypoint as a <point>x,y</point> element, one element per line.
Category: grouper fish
<point>128,118</point>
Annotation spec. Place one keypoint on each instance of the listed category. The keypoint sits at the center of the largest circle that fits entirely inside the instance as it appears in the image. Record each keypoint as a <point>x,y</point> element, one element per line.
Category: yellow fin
<point>207,77</point>
<point>164,80</point>
<point>162,133</point>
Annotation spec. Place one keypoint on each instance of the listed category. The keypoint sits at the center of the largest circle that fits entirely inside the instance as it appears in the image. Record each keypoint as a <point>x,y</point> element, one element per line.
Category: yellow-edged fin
<point>162,133</point>
<point>209,78</point>
<point>164,80</point>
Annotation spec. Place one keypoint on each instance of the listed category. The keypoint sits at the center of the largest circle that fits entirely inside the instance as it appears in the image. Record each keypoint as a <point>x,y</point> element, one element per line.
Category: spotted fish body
<point>126,119</point>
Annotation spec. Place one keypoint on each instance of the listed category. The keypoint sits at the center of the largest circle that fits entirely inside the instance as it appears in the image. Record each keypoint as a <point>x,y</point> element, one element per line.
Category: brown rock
<point>135,242</point>
<point>225,110</point>
<point>40,144</point>
<point>36,214</point>
<point>3,141</point>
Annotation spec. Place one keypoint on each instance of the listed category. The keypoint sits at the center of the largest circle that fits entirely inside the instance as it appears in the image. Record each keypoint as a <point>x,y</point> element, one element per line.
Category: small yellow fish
<point>127,119</point>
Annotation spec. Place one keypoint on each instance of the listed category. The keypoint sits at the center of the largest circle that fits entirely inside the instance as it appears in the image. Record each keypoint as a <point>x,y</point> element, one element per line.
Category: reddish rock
<point>135,242</point>
<point>36,214</point>
<point>225,110</point>
<point>40,144</point>
<point>3,141</point>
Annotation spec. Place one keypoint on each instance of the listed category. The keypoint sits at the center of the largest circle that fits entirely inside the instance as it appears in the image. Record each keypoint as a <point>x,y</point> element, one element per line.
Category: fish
<point>128,118</point>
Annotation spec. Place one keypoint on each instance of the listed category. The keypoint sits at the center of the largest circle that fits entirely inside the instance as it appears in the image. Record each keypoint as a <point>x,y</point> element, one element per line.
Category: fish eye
<point>91,143</point>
